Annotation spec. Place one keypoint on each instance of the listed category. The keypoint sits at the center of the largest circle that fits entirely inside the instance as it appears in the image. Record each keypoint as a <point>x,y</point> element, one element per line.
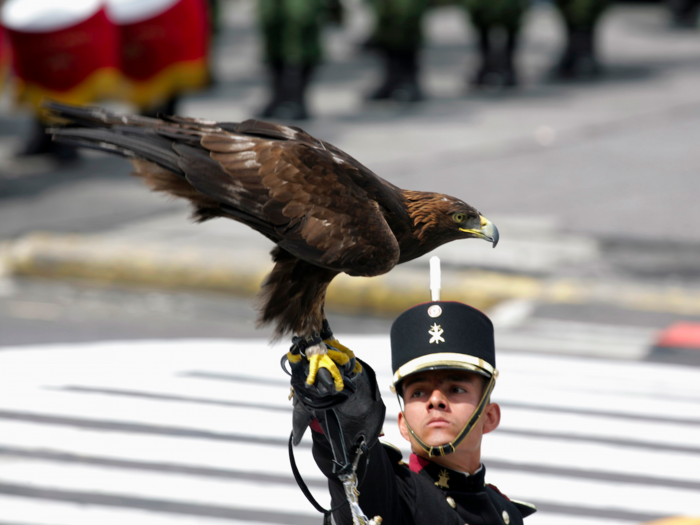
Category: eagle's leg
<point>340,353</point>
<point>327,353</point>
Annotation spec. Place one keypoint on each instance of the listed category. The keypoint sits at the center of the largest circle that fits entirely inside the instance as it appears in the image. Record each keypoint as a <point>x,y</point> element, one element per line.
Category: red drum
<point>67,51</point>
<point>165,47</point>
<point>4,58</point>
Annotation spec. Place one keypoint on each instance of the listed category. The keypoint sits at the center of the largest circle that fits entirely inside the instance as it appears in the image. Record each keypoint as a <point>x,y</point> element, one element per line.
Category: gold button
<point>451,502</point>
<point>506,518</point>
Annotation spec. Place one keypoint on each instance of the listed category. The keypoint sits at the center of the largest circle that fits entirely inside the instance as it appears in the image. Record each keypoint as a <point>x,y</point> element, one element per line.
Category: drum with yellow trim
<point>4,58</point>
<point>165,48</point>
<point>67,51</point>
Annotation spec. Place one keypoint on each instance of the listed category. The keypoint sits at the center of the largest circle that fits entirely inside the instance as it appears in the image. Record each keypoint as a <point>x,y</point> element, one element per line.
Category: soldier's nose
<point>437,400</point>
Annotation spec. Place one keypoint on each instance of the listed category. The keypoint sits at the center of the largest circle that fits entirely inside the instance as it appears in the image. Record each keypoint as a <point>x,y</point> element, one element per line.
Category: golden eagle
<point>326,212</point>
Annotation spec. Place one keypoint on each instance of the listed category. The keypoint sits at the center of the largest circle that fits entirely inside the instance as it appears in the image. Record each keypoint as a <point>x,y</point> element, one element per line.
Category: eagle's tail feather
<point>93,116</point>
<point>150,144</point>
<point>128,142</point>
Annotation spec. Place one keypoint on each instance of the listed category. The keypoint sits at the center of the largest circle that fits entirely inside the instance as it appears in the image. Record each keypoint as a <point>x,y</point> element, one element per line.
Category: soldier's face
<point>439,403</point>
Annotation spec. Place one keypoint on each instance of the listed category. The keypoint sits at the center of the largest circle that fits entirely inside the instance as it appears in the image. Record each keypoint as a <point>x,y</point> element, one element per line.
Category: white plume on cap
<point>435,278</point>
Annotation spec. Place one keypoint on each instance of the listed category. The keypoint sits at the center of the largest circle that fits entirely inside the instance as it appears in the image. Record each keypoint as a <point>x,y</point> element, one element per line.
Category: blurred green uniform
<point>291,32</point>
<point>497,61</point>
<point>581,13</point>
<point>399,24</point>
<point>580,20</point>
<point>398,37</point>
<point>507,14</point>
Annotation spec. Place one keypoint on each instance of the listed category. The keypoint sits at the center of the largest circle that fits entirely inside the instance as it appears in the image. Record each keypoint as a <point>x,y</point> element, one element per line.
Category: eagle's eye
<point>458,217</point>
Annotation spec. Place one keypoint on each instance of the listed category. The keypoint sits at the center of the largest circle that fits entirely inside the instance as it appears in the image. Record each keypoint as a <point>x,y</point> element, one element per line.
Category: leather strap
<point>297,476</point>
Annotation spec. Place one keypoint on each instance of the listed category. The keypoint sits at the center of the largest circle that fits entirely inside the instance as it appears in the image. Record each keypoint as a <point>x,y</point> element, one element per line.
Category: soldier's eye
<point>458,217</point>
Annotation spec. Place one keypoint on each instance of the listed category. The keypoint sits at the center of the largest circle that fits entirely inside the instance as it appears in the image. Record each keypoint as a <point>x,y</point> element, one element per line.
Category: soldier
<point>398,37</point>
<point>490,17</point>
<point>443,359</point>
<point>579,60</point>
<point>292,39</point>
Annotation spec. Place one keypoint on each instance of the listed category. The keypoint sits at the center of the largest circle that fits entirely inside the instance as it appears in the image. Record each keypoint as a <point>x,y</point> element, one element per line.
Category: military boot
<point>579,61</point>
<point>276,82</point>
<point>291,104</point>
<point>482,72</point>
<point>496,67</point>
<point>400,78</point>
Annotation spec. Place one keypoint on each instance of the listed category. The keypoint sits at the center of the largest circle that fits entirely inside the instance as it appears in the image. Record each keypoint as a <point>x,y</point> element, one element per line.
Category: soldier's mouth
<point>438,423</point>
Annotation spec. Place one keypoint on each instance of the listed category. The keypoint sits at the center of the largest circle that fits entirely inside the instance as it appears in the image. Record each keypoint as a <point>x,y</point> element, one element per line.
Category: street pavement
<point>195,431</point>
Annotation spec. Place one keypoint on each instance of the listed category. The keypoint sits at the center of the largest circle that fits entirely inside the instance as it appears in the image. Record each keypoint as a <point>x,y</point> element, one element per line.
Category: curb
<point>240,272</point>
<point>192,267</point>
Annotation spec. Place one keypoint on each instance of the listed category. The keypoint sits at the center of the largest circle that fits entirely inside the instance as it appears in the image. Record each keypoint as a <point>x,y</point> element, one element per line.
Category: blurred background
<point>134,384</point>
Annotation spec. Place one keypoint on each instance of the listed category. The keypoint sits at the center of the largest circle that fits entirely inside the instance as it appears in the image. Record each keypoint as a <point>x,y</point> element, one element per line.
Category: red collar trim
<point>417,463</point>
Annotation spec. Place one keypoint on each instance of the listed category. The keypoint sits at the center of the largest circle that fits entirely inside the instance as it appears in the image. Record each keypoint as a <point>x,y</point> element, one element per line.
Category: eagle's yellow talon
<point>338,357</point>
<point>324,361</point>
<point>344,349</point>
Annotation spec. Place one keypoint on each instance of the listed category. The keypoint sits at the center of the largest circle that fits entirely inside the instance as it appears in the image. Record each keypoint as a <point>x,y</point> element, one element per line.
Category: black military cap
<point>439,335</point>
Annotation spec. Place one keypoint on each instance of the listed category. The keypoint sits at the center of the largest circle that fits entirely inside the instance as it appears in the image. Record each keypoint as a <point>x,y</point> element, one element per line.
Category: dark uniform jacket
<point>420,493</point>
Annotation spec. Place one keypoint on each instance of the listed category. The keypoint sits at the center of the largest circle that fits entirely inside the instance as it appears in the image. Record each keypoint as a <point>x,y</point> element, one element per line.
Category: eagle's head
<point>437,219</point>
<point>470,223</point>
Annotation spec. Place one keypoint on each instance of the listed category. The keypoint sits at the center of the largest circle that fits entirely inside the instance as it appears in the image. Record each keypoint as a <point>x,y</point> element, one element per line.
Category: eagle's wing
<point>321,205</point>
<point>310,198</point>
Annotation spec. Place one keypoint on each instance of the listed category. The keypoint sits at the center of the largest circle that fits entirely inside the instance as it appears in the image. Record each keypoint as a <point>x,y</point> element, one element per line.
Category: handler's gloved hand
<point>358,409</point>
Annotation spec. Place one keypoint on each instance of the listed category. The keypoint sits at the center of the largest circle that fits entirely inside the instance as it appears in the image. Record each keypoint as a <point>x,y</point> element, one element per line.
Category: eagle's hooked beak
<point>488,231</point>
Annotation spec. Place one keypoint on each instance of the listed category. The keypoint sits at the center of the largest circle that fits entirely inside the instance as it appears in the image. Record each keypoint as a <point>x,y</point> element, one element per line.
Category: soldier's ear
<point>492,417</point>
<point>403,429</point>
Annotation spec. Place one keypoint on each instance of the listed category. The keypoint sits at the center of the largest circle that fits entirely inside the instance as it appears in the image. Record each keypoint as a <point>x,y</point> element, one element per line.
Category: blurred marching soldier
<point>684,13</point>
<point>67,51</point>
<point>493,19</point>
<point>398,38</point>
<point>292,49</point>
<point>164,50</point>
<point>579,60</point>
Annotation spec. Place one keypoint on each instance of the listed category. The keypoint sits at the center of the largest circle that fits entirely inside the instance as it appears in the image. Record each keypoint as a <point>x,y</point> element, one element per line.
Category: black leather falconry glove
<point>348,418</point>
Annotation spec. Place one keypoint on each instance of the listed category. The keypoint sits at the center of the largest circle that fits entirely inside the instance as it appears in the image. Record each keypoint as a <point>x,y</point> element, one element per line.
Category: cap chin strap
<point>449,448</point>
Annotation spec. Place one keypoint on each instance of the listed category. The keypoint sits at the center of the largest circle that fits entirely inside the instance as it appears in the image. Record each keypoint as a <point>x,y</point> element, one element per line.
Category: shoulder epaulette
<point>525,508</point>
<point>395,455</point>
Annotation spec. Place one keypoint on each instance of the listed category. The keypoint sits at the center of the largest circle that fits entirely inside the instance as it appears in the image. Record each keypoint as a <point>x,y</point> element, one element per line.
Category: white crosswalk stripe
<point>194,431</point>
